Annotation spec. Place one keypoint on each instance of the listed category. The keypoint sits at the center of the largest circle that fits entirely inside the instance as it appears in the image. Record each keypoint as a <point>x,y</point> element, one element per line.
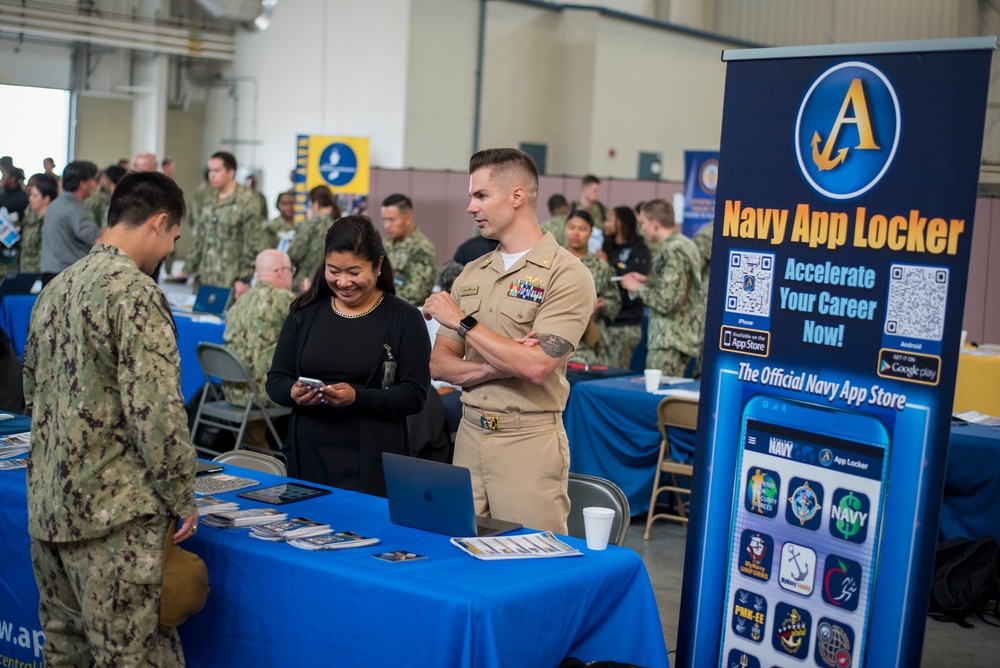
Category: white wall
<point>333,67</point>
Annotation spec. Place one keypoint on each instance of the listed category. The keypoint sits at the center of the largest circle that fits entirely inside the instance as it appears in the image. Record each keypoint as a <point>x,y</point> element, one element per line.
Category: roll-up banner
<point>701,177</point>
<point>847,187</point>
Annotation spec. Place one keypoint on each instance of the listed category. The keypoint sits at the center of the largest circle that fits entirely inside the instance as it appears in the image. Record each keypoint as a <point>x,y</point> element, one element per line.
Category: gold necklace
<point>333,305</point>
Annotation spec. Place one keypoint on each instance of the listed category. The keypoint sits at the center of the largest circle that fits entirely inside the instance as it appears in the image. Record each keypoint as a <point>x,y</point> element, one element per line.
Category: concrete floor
<point>945,644</point>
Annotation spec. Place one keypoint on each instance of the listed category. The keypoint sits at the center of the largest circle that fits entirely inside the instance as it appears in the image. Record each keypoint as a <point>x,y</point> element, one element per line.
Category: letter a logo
<point>847,130</point>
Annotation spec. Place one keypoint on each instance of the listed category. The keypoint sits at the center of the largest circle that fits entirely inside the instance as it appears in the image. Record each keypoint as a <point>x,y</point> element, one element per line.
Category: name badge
<point>470,290</point>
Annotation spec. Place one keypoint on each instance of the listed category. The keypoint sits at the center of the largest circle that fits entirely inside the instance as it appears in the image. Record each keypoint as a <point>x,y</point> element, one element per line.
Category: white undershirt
<point>510,258</point>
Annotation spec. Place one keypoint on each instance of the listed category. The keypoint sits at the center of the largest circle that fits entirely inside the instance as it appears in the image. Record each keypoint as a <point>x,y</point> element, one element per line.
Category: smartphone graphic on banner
<point>804,535</point>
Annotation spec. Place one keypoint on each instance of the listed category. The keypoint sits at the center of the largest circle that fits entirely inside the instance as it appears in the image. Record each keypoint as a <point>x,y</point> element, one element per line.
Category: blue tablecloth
<point>15,315</point>
<point>611,425</point>
<point>971,505</point>
<point>275,605</point>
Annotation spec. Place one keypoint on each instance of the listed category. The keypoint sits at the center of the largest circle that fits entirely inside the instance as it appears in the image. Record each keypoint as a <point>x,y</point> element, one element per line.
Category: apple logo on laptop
<point>428,497</point>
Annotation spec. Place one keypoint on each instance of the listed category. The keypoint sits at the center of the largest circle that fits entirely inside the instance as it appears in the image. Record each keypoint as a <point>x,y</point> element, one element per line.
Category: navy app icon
<point>749,615</point>
<point>805,504</point>
<point>761,494</point>
<point>842,582</point>
<point>756,554</point>
<point>792,630</point>
<point>740,659</point>
<point>847,130</point>
<point>849,515</point>
<point>834,644</point>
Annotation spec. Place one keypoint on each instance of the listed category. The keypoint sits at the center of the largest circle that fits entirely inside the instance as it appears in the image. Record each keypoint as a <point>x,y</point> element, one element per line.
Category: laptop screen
<point>211,299</point>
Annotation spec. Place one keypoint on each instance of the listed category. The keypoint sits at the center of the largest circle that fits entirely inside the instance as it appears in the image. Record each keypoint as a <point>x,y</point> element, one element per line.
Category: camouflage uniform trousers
<point>622,342</point>
<point>100,598</point>
<point>670,361</point>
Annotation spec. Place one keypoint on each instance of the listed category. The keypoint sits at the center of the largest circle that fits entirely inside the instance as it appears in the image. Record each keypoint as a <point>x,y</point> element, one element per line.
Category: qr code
<point>748,289</point>
<point>917,299</point>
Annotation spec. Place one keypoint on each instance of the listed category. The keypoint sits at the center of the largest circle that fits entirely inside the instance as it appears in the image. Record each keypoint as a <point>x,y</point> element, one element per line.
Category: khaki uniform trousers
<point>520,470</point>
<point>100,598</point>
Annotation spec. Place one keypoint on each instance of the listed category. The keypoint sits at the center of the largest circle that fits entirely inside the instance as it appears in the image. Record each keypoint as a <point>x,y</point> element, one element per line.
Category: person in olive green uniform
<point>414,260</point>
<point>511,437</point>
<point>111,460</point>
<point>42,190</point>
<point>307,248</point>
<point>703,240</point>
<point>254,322</point>
<point>280,227</point>
<point>590,201</point>
<point>594,346</point>
<point>556,224</point>
<point>223,251</point>
<point>674,292</point>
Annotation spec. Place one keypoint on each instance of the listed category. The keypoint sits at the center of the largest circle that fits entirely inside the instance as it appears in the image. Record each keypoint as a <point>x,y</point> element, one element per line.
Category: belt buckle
<point>491,422</point>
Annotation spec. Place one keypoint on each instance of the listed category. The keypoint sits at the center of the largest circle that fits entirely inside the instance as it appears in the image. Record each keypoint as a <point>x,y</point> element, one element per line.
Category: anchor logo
<point>798,567</point>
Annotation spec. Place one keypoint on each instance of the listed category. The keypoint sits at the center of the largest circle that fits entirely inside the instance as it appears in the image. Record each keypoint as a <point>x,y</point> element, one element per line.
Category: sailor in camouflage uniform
<point>609,301</point>
<point>674,292</point>
<point>223,251</point>
<point>412,255</point>
<point>110,457</point>
<point>274,229</point>
<point>556,224</point>
<point>254,322</point>
<point>308,248</point>
<point>42,190</point>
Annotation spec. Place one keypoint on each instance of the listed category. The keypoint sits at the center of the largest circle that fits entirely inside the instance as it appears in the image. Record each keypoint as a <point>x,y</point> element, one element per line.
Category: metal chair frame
<point>603,493</point>
<point>219,362</point>
<point>253,460</point>
<point>679,412</point>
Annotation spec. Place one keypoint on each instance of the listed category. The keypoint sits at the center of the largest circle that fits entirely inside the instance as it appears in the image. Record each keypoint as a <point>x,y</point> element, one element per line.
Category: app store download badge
<point>761,495</point>
<point>792,630</point>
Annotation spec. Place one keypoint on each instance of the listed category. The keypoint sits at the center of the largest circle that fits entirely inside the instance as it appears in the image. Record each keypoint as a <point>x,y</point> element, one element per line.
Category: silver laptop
<point>435,497</point>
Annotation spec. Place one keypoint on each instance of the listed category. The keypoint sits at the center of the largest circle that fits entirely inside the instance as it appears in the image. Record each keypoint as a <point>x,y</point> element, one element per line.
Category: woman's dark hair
<point>582,215</point>
<point>627,223</point>
<point>321,196</point>
<point>46,186</point>
<point>353,234</point>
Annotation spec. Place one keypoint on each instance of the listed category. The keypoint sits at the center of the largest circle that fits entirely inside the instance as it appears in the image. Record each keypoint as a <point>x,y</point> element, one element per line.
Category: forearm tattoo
<point>554,346</point>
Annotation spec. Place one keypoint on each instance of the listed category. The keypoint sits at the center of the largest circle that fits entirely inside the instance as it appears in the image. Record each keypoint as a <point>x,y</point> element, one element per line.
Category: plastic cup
<point>653,377</point>
<point>597,525</point>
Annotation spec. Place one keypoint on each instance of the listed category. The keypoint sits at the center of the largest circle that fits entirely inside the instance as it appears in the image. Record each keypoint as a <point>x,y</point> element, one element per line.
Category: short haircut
<point>589,179</point>
<point>287,193</point>
<point>661,211</point>
<point>115,173</point>
<point>401,202</point>
<point>49,160</point>
<point>45,185</point>
<point>321,196</point>
<point>76,173</point>
<point>142,195</point>
<point>625,217</point>
<point>582,215</point>
<point>508,163</point>
<point>555,202</point>
<point>228,160</point>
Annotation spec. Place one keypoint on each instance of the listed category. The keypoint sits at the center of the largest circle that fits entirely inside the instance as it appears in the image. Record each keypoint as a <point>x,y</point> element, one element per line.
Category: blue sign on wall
<point>701,178</point>
<point>843,228</point>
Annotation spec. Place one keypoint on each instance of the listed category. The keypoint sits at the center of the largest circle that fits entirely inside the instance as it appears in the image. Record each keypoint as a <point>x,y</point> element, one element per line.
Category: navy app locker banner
<point>701,178</point>
<point>843,226</point>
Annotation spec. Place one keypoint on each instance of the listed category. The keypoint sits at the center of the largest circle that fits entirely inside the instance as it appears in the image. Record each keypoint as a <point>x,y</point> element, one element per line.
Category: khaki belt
<point>504,421</point>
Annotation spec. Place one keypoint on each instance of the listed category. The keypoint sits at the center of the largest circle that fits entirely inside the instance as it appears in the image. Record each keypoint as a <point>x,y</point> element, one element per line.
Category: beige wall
<point>103,129</point>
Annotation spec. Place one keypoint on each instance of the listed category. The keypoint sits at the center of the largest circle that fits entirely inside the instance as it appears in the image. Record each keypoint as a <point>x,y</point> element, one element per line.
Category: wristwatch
<point>467,323</point>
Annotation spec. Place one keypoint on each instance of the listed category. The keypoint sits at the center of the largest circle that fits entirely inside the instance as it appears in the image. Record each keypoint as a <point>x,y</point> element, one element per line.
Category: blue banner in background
<point>842,240</point>
<point>701,177</point>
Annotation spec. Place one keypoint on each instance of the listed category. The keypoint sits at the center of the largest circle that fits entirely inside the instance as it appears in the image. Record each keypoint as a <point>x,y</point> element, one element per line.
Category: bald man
<point>252,327</point>
<point>145,162</point>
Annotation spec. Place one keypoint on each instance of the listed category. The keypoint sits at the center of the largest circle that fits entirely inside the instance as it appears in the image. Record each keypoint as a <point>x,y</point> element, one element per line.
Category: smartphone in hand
<point>311,382</point>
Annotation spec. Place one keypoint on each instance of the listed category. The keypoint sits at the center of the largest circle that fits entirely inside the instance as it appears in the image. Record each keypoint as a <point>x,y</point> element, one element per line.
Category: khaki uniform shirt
<point>414,266</point>
<point>223,251</point>
<point>547,291</point>
<point>252,328</point>
<point>109,437</point>
<point>675,295</point>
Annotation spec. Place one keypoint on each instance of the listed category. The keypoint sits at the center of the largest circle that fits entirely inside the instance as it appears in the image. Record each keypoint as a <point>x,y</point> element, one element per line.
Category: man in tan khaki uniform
<point>508,326</point>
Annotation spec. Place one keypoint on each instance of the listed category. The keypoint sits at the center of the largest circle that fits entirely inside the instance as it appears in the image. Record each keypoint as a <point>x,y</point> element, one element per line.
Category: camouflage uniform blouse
<point>414,266</point>
<point>223,251</point>
<point>109,437</point>
<point>675,296</point>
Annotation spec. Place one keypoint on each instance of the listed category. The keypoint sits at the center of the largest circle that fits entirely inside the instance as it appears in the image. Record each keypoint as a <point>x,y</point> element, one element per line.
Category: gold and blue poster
<point>340,163</point>
<point>841,244</point>
<point>701,179</point>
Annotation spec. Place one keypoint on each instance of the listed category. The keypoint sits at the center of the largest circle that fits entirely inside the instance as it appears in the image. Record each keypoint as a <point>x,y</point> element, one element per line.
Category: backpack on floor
<point>965,576</point>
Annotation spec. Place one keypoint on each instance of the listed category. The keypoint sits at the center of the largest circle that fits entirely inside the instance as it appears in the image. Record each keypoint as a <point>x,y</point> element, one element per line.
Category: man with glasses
<point>252,328</point>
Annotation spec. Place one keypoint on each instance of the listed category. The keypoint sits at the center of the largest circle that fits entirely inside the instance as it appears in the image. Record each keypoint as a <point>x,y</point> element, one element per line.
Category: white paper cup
<point>653,377</point>
<point>597,524</point>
